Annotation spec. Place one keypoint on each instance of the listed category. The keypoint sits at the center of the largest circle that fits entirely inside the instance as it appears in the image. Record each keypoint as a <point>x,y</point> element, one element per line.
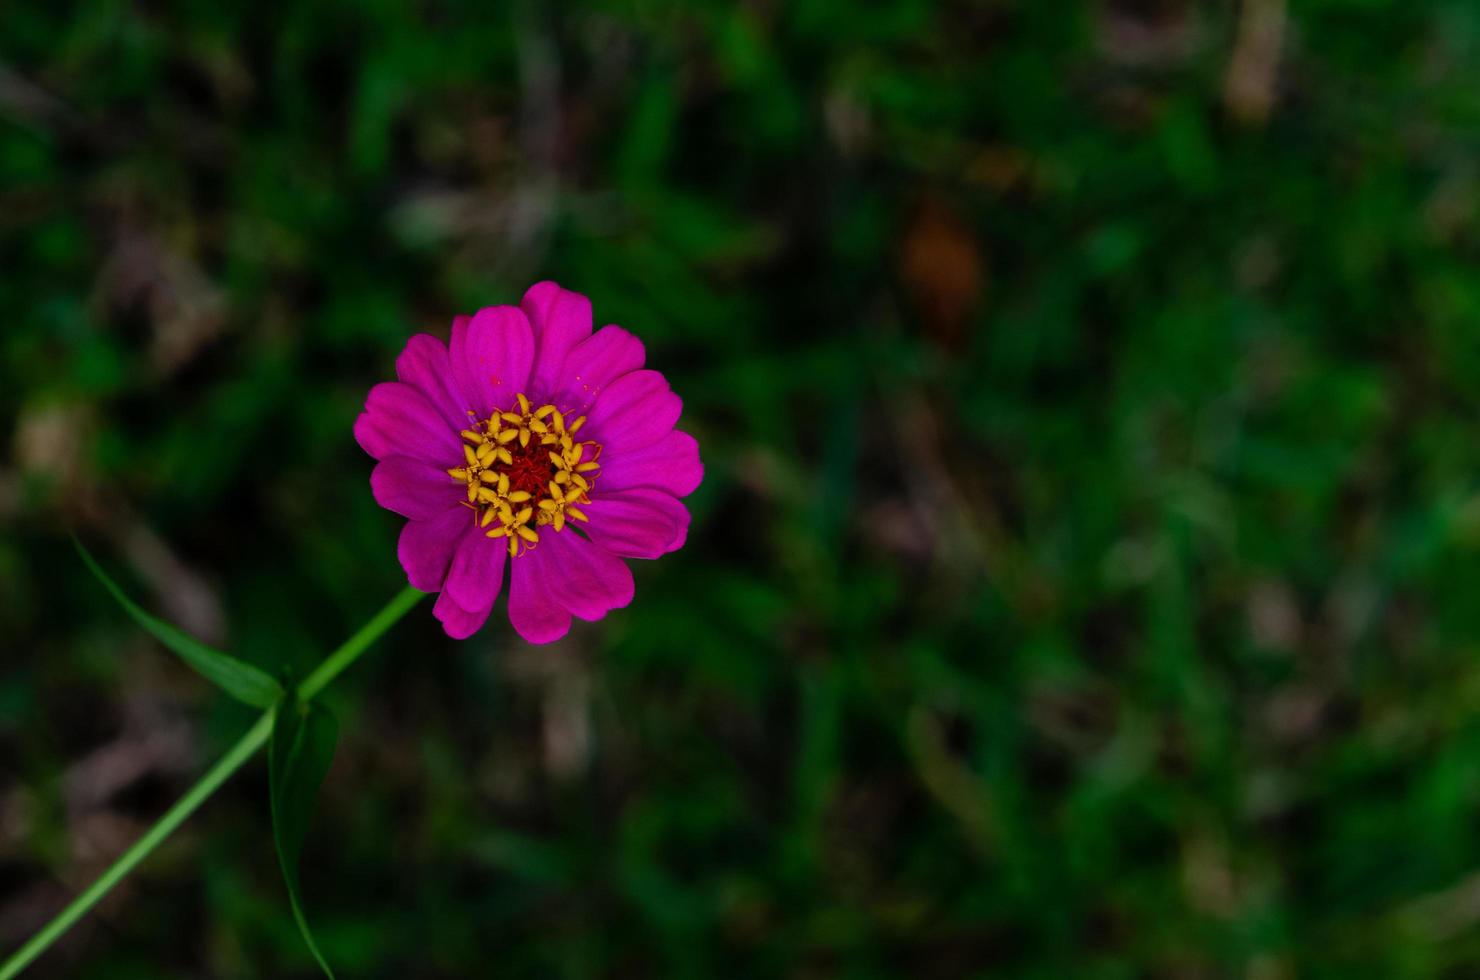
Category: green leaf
<point>241,680</point>
<point>303,737</point>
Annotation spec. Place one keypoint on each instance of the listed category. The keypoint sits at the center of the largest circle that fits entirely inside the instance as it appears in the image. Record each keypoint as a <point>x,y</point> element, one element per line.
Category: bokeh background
<point>1084,580</point>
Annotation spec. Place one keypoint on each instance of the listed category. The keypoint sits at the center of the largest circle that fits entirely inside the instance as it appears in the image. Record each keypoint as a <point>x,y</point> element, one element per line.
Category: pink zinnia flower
<point>534,443</point>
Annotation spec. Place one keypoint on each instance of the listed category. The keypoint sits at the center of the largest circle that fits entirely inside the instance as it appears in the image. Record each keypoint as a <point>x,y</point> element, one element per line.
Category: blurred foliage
<point>1080,586</point>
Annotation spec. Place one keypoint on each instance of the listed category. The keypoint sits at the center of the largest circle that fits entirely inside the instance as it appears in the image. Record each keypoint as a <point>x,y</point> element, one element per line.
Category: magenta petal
<point>593,364</point>
<point>424,366</point>
<point>477,571</point>
<point>458,622</point>
<point>592,581</point>
<point>425,548</point>
<point>637,523</point>
<point>560,320</point>
<point>399,421</point>
<point>533,611</point>
<point>634,411</point>
<point>490,357</point>
<point>413,489</point>
<point>671,464</point>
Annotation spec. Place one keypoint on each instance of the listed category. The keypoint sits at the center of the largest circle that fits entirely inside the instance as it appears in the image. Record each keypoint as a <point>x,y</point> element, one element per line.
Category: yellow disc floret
<point>524,470</point>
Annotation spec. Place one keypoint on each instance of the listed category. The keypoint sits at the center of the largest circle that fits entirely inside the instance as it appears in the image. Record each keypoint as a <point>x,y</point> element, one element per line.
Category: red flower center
<point>532,469</point>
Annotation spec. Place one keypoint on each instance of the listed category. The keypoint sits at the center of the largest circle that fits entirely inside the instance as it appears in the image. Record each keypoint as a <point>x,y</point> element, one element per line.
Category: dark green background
<point>1083,584</point>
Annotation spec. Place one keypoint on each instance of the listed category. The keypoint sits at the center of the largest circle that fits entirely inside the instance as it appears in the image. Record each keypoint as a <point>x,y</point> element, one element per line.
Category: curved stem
<point>243,750</point>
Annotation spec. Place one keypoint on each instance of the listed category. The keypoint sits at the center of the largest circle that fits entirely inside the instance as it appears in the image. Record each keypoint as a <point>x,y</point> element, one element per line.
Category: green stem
<point>349,651</point>
<point>243,750</point>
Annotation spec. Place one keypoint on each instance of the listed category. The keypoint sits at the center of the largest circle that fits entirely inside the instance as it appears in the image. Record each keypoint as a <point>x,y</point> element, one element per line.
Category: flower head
<point>529,442</point>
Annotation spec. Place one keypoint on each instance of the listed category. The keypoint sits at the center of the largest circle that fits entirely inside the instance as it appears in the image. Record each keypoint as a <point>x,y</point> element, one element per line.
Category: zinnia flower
<point>533,443</point>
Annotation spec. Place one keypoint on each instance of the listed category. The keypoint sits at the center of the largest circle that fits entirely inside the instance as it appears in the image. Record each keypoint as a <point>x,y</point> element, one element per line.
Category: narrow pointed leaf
<point>298,758</point>
<point>241,680</point>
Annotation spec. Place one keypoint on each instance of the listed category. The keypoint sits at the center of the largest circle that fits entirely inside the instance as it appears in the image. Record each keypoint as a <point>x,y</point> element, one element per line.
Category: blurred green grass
<point>1081,586</point>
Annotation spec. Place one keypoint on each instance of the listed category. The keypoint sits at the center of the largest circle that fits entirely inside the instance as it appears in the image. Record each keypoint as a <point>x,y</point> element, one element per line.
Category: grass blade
<point>298,758</point>
<point>241,680</point>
